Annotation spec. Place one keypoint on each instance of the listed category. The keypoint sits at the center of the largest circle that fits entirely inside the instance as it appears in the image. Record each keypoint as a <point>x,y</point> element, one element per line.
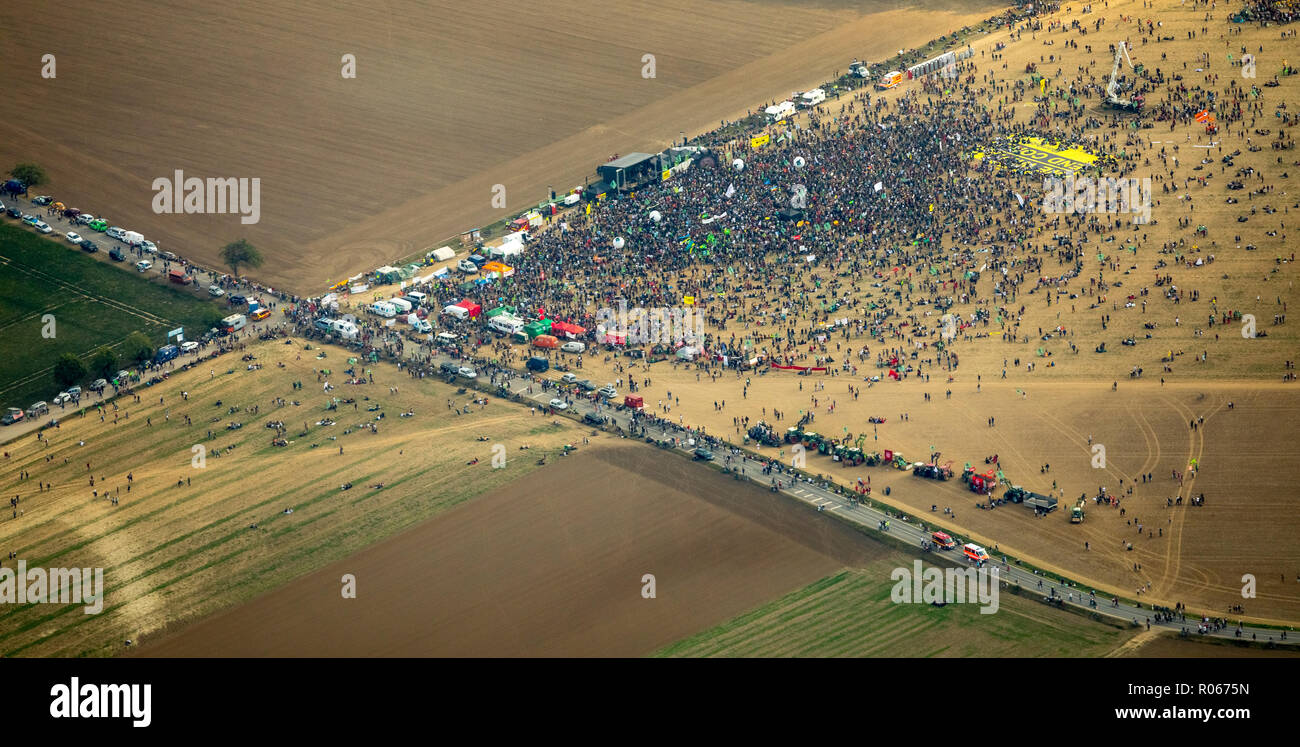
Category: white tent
<point>441,254</point>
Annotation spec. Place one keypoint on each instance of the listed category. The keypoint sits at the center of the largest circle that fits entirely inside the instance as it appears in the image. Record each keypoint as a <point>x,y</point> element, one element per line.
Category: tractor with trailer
<point>1040,503</point>
<point>793,435</point>
<point>1076,513</point>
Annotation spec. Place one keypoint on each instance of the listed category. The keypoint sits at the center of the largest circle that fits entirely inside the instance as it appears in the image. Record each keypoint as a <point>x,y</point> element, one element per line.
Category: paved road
<point>825,497</point>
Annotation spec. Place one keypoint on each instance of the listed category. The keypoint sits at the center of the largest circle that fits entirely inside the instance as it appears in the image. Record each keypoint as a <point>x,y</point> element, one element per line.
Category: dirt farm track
<point>447,102</point>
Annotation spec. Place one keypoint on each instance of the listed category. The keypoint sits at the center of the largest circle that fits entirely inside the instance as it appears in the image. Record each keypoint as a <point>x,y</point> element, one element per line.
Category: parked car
<point>538,364</point>
<point>143,265</point>
<point>569,378</point>
<point>42,200</point>
<point>216,291</point>
<point>89,246</point>
<point>189,346</point>
<point>14,212</point>
<point>12,416</point>
<point>99,224</point>
<point>75,391</point>
<point>703,453</point>
<point>466,266</point>
<point>607,392</point>
<point>37,409</point>
<point>99,385</point>
<point>169,256</point>
<point>115,254</point>
<point>116,232</point>
<point>62,397</point>
<point>559,404</point>
<point>467,372</point>
<point>72,237</point>
<point>449,368</point>
<point>586,385</point>
<point>30,219</point>
<point>236,300</point>
<point>42,226</point>
<point>84,219</point>
<point>592,418</point>
<point>573,346</point>
<point>148,246</point>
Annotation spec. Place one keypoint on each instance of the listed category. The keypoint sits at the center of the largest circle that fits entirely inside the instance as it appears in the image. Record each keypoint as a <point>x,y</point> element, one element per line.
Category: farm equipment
<point>1076,513</point>
<point>933,471</point>
<point>852,456</point>
<point>900,462</point>
<point>982,483</point>
<point>827,446</point>
<point>793,435</point>
<point>872,459</point>
<point>1113,99</point>
<point>811,439</point>
<point>763,434</point>
<point>1040,503</point>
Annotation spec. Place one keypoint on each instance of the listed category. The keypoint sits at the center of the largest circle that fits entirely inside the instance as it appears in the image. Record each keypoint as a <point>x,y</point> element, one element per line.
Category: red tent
<point>473,308</point>
<point>570,331</point>
<point>633,401</point>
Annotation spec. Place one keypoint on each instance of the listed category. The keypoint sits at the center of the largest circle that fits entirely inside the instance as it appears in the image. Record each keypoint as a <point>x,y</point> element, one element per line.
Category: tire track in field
<point>1196,448</point>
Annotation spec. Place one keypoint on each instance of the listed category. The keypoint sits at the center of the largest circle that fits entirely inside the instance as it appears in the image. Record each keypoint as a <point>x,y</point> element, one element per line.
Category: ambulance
<point>975,554</point>
<point>943,540</point>
<point>889,80</point>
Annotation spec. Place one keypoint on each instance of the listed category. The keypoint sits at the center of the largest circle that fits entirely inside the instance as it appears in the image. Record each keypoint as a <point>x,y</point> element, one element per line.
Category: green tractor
<point>811,440</point>
<point>828,447</point>
<point>1076,513</point>
<point>900,462</point>
<point>852,456</point>
<point>872,459</point>
<point>793,435</point>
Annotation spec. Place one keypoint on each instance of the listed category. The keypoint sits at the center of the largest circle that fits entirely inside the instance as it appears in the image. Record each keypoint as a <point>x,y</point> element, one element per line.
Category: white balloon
<point>655,216</point>
<point>738,165</point>
<point>618,242</point>
<point>799,162</point>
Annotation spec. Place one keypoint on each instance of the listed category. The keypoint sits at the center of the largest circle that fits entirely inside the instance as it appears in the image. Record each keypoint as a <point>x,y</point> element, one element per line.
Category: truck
<point>234,323</point>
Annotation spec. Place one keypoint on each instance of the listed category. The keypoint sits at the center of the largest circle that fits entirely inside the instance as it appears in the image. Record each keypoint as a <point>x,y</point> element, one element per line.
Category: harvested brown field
<point>551,567</point>
<point>449,99</point>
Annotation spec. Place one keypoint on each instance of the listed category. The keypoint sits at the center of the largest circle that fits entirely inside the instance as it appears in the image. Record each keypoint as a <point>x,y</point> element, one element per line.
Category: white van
<point>234,322</point>
<point>506,325</point>
<point>812,98</point>
<point>779,111</point>
<point>418,297</point>
<point>345,329</point>
<point>418,324</point>
<point>460,312</point>
<point>382,308</point>
<point>403,306</point>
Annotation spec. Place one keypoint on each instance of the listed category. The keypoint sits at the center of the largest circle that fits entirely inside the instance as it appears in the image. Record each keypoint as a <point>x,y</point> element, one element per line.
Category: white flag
<point>879,186</point>
<point>1018,197</point>
<point>731,190</point>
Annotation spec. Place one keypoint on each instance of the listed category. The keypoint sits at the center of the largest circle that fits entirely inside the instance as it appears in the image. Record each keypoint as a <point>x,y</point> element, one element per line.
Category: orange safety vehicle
<point>974,553</point>
<point>943,541</point>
